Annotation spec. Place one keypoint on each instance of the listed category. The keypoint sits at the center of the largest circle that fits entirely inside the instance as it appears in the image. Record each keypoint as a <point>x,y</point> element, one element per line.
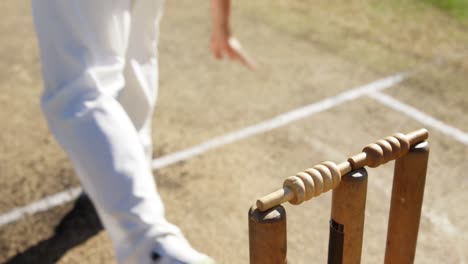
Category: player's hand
<point>222,44</point>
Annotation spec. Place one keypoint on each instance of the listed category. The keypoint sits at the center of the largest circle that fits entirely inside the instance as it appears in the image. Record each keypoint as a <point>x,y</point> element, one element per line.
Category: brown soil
<point>306,53</point>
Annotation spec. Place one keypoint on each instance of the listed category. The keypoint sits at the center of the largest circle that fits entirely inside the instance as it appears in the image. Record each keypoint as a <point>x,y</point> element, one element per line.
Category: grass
<point>386,35</point>
<point>457,8</point>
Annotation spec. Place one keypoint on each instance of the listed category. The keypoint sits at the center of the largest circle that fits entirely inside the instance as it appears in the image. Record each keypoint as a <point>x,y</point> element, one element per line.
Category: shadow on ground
<point>80,224</point>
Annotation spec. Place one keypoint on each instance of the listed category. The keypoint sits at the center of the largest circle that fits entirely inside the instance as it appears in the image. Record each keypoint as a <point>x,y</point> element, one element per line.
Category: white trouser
<point>99,62</point>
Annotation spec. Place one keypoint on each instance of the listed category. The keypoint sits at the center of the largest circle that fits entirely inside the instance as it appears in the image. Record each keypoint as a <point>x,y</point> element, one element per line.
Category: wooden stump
<point>405,210</point>
<point>347,218</point>
<point>267,236</point>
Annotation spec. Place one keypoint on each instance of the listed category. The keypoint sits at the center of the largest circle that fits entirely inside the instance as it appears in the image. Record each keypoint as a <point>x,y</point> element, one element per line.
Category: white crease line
<point>423,118</point>
<point>437,218</point>
<point>280,120</point>
<point>40,206</point>
<point>69,195</point>
<point>441,220</point>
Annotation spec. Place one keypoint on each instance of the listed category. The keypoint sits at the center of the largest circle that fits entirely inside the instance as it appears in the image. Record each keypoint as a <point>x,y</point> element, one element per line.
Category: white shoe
<point>173,248</point>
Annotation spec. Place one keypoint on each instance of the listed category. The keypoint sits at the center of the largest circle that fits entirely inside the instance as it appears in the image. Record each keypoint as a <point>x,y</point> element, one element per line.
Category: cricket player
<point>100,72</point>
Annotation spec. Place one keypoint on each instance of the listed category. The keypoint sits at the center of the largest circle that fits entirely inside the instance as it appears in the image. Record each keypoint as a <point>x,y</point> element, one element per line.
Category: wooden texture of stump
<point>267,236</point>
<point>347,219</point>
<point>406,203</point>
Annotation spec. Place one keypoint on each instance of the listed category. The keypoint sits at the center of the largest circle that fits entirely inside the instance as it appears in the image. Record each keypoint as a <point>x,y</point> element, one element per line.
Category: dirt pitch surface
<point>307,53</point>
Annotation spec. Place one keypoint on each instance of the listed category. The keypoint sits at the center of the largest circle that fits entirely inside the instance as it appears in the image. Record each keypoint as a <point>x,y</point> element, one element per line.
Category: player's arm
<point>222,42</point>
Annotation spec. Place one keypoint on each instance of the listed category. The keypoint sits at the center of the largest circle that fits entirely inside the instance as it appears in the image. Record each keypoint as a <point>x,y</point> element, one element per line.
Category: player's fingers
<point>231,53</point>
<point>216,51</point>
<point>236,52</point>
<point>243,58</point>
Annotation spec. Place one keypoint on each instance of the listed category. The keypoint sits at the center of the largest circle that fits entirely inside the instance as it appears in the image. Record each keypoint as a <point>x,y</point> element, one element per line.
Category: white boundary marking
<point>40,206</point>
<point>372,90</point>
<point>439,219</point>
<point>280,120</point>
<point>420,116</point>
<point>69,195</point>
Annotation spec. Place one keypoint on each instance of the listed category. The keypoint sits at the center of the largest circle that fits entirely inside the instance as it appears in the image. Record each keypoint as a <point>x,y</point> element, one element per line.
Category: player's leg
<point>83,45</point>
<point>138,99</point>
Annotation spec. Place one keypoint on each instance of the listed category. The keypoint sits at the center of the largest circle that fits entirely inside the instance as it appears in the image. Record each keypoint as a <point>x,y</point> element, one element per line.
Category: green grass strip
<point>458,8</point>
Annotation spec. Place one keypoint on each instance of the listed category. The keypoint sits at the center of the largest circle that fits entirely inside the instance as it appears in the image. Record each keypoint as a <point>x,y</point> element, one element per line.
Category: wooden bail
<point>405,209</point>
<point>347,219</point>
<point>323,177</point>
<point>267,236</point>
